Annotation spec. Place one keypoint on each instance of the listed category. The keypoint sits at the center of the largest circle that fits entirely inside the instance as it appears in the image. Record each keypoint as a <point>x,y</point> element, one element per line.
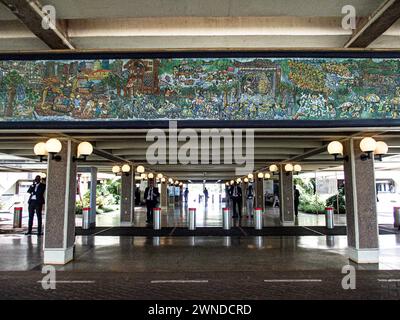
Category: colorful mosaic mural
<point>199,88</point>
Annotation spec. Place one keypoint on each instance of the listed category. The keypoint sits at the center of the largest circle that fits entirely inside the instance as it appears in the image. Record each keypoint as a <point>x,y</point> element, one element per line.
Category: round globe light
<point>297,168</point>
<point>42,175</point>
<point>40,149</point>
<point>368,144</point>
<point>85,149</point>
<point>227,183</point>
<point>267,175</point>
<point>335,147</point>
<point>126,168</point>
<point>116,169</point>
<point>273,168</point>
<point>238,180</point>
<point>260,175</point>
<point>232,182</point>
<point>150,175</point>
<point>53,145</point>
<point>381,148</point>
<point>170,180</point>
<point>289,167</point>
<point>250,176</point>
<point>163,179</point>
<point>143,176</point>
<point>159,176</point>
<point>140,169</point>
<point>246,180</point>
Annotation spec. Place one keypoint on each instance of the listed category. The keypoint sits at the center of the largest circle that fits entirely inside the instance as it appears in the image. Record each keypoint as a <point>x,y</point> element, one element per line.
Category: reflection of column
<point>258,191</point>
<point>361,215</point>
<point>286,197</point>
<point>127,196</point>
<point>93,186</point>
<point>164,195</point>
<point>60,208</point>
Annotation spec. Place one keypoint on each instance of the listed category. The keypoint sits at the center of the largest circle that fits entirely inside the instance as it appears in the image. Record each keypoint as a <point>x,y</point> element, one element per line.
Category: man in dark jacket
<point>236,196</point>
<point>151,195</point>
<point>296,194</point>
<point>36,202</point>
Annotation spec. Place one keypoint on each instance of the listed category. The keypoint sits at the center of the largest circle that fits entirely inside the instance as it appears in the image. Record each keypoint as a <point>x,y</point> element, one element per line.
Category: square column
<point>93,196</point>
<point>127,204</point>
<point>59,238</point>
<point>258,191</point>
<point>164,195</point>
<point>361,215</point>
<point>286,196</point>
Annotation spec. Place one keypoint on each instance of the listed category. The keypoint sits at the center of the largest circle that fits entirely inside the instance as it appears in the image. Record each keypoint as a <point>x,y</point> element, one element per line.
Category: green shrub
<point>332,201</point>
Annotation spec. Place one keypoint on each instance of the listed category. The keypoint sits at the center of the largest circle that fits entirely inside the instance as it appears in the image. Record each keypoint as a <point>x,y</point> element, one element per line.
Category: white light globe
<point>143,176</point>
<point>159,176</point>
<point>126,168</point>
<point>368,144</point>
<point>381,148</point>
<point>85,149</point>
<point>335,147</point>
<point>140,169</point>
<point>297,168</point>
<point>289,167</point>
<point>246,180</point>
<point>267,175</point>
<point>116,169</point>
<point>53,145</point>
<point>260,175</point>
<point>163,179</point>
<point>273,168</point>
<point>250,176</point>
<point>150,175</point>
<point>40,149</point>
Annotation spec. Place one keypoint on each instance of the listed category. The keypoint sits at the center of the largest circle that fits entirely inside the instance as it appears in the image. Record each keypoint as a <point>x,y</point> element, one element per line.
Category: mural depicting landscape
<point>199,88</point>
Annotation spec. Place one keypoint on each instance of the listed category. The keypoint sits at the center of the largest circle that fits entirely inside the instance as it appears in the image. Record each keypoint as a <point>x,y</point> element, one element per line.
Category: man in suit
<point>236,196</point>
<point>151,195</point>
<point>36,202</point>
<point>296,194</point>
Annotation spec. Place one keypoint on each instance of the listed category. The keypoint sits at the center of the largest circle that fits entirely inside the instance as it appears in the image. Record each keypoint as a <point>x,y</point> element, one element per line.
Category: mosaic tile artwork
<point>200,88</point>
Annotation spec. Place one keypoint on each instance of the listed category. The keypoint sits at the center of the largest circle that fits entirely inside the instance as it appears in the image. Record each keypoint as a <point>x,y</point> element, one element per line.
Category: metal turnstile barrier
<point>157,218</point>
<point>86,218</point>
<point>17,223</point>
<point>258,218</point>
<point>226,218</point>
<point>329,214</point>
<point>192,219</point>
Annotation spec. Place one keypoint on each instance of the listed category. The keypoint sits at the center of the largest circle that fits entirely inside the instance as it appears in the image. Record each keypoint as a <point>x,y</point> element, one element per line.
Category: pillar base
<point>58,256</point>
<point>364,255</point>
<point>287,223</point>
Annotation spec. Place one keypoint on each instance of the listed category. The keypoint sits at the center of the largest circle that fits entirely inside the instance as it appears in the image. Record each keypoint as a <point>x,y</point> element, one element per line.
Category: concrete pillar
<point>93,186</point>
<point>361,214</point>
<point>286,196</point>
<point>164,195</point>
<point>258,191</point>
<point>128,196</point>
<point>59,238</point>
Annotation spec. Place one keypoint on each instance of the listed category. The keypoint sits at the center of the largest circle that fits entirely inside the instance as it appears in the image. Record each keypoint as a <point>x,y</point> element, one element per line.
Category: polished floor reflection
<point>197,254</point>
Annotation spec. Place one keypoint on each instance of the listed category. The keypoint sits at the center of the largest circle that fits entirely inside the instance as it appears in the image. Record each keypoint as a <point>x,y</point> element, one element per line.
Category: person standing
<point>236,196</point>
<point>205,191</point>
<point>151,195</point>
<point>186,194</point>
<point>250,201</point>
<point>296,194</point>
<point>35,204</point>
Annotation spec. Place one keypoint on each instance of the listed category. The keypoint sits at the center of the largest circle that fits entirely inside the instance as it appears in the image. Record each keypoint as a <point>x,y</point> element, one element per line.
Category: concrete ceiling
<point>197,24</point>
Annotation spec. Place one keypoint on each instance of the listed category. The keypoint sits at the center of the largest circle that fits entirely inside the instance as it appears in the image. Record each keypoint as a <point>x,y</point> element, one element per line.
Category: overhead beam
<point>31,15</point>
<point>373,27</point>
